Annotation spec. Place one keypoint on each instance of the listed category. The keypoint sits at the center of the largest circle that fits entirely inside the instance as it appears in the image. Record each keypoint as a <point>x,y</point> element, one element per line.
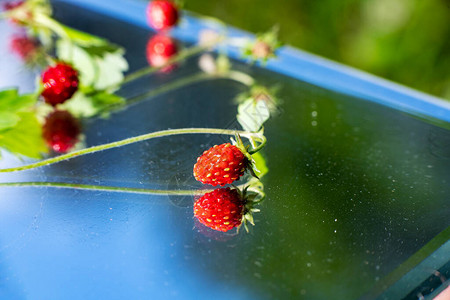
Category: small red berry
<point>26,14</point>
<point>61,131</point>
<point>60,83</point>
<point>221,209</point>
<point>23,46</point>
<point>12,5</point>
<point>160,49</point>
<point>262,50</point>
<point>162,14</point>
<point>220,165</point>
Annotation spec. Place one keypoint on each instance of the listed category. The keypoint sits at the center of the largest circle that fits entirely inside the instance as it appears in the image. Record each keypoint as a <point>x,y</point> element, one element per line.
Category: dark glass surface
<point>354,190</point>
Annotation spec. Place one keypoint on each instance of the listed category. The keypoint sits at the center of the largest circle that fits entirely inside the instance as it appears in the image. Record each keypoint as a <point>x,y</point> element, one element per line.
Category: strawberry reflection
<point>227,208</point>
<point>12,5</point>
<point>61,131</point>
<point>160,49</point>
<point>24,47</point>
<point>221,209</point>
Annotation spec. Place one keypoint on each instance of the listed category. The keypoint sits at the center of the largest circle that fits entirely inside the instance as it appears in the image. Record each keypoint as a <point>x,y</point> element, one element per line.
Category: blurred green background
<point>407,41</point>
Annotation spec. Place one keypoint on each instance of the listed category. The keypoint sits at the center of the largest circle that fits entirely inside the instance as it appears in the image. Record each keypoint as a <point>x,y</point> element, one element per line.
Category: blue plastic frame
<point>292,62</point>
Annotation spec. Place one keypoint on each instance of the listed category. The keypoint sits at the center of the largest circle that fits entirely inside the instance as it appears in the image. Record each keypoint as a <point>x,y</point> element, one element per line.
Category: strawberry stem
<point>176,58</point>
<point>114,189</point>
<point>262,142</point>
<point>232,75</point>
<point>182,55</point>
<point>132,140</point>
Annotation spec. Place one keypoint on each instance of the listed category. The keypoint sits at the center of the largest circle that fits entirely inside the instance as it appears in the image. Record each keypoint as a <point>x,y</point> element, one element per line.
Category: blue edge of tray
<point>291,62</point>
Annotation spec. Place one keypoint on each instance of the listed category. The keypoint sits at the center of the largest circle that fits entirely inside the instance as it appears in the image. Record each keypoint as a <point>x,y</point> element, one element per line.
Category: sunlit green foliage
<point>407,41</point>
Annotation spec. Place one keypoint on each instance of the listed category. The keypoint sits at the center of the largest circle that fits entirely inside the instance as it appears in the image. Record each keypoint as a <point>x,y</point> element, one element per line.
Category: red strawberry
<point>23,46</point>
<point>24,14</point>
<point>262,50</point>
<point>160,49</point>
<point>10,5</point>
<point>61,131</point>
<point>162,14</point>
<point>60,83</point>
<point>221,209</point>
<point>220,165</point>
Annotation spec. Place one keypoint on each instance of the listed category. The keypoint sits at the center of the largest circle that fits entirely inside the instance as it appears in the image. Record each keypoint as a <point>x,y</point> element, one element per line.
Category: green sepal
<point>270,39</point>
<point>252,195</point>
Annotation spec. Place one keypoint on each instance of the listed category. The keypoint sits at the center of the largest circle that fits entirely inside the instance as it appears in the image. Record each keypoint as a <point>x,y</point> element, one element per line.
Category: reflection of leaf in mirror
<point>25,138</point>
<point>252,114</point>
<point>83,106</point>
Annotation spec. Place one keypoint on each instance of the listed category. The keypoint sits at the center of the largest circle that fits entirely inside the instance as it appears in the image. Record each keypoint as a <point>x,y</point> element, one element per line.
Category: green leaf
<point>83,106</point>
<point>85,39</point>
<point>11,101</point>
<point>252,114</point>
<point>99,68</point>
<point>110,70</point>
<point>10,104</point>
<point>23,102</point>
<point>44,36</point>
<point>8,120</point>
<point>8,94</point>
<point>25,138</point>
<point>80,59</point>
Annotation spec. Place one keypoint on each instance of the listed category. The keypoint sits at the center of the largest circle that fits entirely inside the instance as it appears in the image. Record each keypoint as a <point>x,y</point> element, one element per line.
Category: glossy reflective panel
<point>354,190</point>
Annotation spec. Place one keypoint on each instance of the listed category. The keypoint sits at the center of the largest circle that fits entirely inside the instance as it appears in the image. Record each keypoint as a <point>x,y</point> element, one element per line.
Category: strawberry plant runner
<point>74,76</point>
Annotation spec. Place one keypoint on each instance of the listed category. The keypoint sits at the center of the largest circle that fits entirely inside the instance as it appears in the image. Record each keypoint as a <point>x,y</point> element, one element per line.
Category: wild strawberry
<point>264,47</point>
<point>162,14</point>
<point>60,83</point>
<point>23,46</point>
<point>10,5</point>
<point>221,209</point>
<point>23,15</point>
<point>61,131</point>
<point>261,50</point>
<point>220,165</point>
<point>160,49</point>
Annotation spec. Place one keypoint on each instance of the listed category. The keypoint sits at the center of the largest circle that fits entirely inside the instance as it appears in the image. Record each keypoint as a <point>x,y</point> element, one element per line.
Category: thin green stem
<point>103,188</point>
<point>194,50</point>
<point>262,143</point>
<point>239,77</point>
<point>128,141</point>
<point>45,21</point>
<point>185,81</point>
<point>169,87</point>
<point>176,58</point>
<point>115,189</point>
